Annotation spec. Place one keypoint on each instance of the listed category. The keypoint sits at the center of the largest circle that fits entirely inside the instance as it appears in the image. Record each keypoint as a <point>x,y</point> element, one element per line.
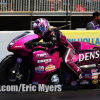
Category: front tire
<point>6,68</point>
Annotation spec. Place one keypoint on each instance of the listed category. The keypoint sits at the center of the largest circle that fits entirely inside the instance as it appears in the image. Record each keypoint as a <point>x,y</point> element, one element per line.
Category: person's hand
<point>34,44</point>
<point>28,45</point>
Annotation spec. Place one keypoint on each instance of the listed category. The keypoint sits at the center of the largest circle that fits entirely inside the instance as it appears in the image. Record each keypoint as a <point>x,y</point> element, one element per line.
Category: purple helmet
<point>41,26</point>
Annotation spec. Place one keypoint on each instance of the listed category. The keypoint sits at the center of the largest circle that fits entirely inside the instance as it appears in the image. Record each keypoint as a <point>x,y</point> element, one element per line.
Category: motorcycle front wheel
<point>6,68</point>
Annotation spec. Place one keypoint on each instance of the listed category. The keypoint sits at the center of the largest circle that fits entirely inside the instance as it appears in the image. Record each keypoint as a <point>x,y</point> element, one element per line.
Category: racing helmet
<point>41,27</point>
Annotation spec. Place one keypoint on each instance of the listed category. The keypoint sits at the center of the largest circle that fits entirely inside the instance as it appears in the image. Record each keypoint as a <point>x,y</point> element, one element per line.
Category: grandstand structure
<point>48,7</point>
<point>56,9</point>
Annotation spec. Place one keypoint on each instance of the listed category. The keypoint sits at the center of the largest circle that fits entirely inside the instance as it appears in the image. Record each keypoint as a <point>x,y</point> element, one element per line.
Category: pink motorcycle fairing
<point>82,46</point>
<point>18,43</point>
<point>44,64</point>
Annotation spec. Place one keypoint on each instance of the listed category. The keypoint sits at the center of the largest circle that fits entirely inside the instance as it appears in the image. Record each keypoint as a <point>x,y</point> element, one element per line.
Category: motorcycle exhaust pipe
<point>88,66</point>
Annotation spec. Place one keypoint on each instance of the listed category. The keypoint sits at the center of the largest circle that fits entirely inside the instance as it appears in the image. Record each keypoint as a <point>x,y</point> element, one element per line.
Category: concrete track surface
<point>70,94</point>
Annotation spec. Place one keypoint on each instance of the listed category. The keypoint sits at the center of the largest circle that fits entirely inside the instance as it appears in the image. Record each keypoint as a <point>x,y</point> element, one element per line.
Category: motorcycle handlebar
<point>31,46</point>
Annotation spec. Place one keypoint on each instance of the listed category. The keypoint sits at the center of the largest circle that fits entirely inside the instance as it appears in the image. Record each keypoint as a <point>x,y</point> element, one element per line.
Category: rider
<point>53,38</point>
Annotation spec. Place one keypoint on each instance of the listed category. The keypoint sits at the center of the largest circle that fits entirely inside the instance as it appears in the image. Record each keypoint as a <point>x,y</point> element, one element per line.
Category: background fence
<point>49,5</point>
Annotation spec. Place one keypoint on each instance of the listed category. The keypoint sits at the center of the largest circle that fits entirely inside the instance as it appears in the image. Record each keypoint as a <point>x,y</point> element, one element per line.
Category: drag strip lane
<point>70,94</point>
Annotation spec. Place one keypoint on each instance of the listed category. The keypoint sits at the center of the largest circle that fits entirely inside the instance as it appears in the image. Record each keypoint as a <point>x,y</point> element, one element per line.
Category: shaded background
<point>23,22</point>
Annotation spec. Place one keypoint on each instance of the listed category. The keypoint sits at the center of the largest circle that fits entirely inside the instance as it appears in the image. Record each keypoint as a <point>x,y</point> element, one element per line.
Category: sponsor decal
<point>18,46</point>
<point>94,75</point>
<point>95,81</point>
<point>44,54</point>
<point>36,83</point>
<point>84,82</point>
<point>19,60</point>
<point>89,55</point>
<point>50,67</point>
<point>87,75</point>
<point>39,69</point>
<point>73,83</point>
<point>45,60</point>
<point>94,70</point>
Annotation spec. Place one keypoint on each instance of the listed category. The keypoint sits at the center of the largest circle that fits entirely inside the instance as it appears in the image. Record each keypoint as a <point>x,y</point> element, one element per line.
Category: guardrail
<point>49,5</point>
<point>15,5</point>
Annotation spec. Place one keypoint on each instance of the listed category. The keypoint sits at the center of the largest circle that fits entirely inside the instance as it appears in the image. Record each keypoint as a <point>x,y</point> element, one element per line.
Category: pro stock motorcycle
<point>41,65</point>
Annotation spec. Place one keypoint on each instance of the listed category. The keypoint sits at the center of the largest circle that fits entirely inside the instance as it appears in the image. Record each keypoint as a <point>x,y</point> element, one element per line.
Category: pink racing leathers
<point>56,38</point>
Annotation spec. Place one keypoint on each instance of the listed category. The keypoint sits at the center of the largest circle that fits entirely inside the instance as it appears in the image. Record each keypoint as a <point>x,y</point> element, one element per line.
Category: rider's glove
<point>34,44</point>
<point>28,45</point>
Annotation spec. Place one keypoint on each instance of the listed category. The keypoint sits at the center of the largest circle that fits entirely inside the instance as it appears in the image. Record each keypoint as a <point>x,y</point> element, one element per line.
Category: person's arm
<point>89,26</point>
<point>51,43</point>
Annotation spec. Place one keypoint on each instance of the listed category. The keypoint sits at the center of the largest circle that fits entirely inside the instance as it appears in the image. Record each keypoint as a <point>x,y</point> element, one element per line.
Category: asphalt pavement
<point>70,94</point>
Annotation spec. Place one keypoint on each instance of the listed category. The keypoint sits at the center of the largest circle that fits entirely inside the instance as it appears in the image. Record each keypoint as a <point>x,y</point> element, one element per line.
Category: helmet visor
<point>38,32</point>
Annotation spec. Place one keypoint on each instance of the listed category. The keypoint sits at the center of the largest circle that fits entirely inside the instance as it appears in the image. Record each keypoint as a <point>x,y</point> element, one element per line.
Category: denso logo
<point>89,55</point>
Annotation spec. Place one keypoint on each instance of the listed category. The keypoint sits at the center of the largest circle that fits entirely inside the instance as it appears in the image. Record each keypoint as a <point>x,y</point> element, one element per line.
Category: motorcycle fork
<point>16,67</point>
